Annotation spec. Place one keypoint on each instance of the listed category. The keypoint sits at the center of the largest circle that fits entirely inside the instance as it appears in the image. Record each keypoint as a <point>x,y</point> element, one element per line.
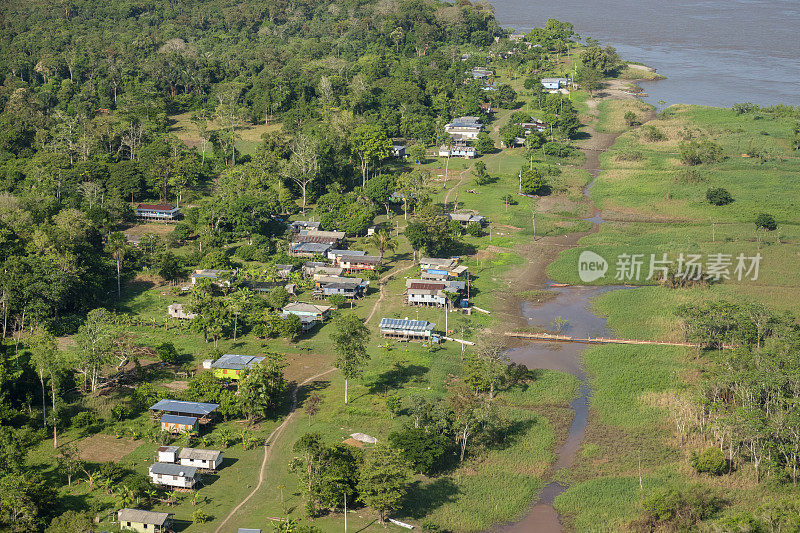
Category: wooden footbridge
<point>552,337</point>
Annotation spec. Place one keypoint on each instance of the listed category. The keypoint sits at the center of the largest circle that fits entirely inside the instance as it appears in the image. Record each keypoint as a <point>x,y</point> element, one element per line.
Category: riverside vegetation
<point>250,115</point>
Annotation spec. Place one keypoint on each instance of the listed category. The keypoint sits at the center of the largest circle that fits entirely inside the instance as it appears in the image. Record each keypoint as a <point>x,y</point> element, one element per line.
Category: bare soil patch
<point>150,227</point>
<point>100,448</point>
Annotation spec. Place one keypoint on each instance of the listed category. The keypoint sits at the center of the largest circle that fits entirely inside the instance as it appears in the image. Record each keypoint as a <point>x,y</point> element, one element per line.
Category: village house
<point>440,263</point>
<point>408,330</point>
<point>355,263</point>
<point>464,128</point>
<point>247,530</point>
<point>431,293</point>
<point>319,313</point>
<point>167,454</point>
<point>309,249</point>
<point>156,212</point>
<point>516,37</point>
<point>298,225</point>
<point>143,521</point>
<point>554,84</point>
<point>177,423</point>
<point>347,287</point>
<point>335,253</point>
<point>458,150</point>
<point>172,475</point>
<point>313,268</point>
<point>480,73</point>
<point>203,459</point>
<point>531,127</point>
<point>284,271</point>
<point>177,311</point>
<point>221,278</point>
<point>443,273</point>
<point>334,238</point>
<point>202,411</point>
<point>398,150</point>
<point>230,366</point>
<point>465,219</point>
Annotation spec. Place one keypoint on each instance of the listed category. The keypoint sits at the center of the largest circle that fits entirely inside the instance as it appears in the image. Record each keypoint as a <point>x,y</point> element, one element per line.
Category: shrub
<point>215,259</point>
<point>652,134</point>
<point>629,155</point>
<point>394,405</point>
<point>474,229</point>
<point>167,353</point>
<point>112,471</point>
<point>84,419</point>
<point>426,451</point>
<point>690,176</point>
<point>710,461</point>
<point>557,149</point>
<point>533,182</point>
<point>509,199</point>
<point>681,509</point>
<point>630,118</point>
<point>520,116</point>
<point>200,517</point>
<point>121,412</point>
<point>718,196</point>
<point>766,221</point>
<point>337,300</point>
<point>697,152</point>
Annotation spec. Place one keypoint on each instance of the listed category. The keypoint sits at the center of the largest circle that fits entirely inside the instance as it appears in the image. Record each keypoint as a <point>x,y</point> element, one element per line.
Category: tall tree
<point>371,144</point>
<point>117,246</point>
<point>383,481</point>
<point>383,241</point>
<point>94,339</point>
<point>262,386</point>
<point>303,165</point>
<point>349,341</point>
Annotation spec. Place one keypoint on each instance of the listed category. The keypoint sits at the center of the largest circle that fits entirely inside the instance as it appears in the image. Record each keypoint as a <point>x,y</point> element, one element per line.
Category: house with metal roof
<point>335,253</point>
<point>465,219</point>
<point>405,329</point>
<point>202,411</point>
<point>178,423</point>
<point>284,271</point>
<point>554,84</point>
<point>246,530</point>
<point>315,235</point>
<point>431,292</point>
<point>355,263</point>
<point>309,249</point>
<point>167,454</point>
<point>204,459</point>
<point>458,150</point>
<point>157,212</point>
<point>347,287</point>
<point>464,128</point>
<point>172,475</point>
<point>298,225</point>
<point>314,311</point>
<point>229,366</point>
<point>143,521</point>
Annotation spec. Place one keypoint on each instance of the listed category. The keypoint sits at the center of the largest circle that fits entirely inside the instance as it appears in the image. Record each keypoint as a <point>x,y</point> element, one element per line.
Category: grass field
<point>250,135</point>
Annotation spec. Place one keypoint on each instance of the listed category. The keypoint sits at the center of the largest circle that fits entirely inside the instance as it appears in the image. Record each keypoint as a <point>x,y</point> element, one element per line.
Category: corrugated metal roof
<point>179,406</point>
<point>177,419</point>
<point>236,362</point>
<point>197,453</point>
<point>170,469</point>
<point>407,325</point>
<point>245,530</point>
<point>142,517</point>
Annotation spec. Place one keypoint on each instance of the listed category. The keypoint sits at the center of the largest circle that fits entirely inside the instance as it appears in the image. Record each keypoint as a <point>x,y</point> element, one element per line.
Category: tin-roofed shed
<point>202,411</point>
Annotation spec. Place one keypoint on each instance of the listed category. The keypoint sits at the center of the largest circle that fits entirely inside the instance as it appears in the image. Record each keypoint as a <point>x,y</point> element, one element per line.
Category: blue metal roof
<point>178,406</point>
<point>407,325</point>
<point>177,419</point>
<point>236,362</point>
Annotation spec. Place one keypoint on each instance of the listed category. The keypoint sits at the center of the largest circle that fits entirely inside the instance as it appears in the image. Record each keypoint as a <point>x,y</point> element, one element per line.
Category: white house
<point>156,212</point>
<point>464,128</point>
<point>554,84</point>
<point>205,459</point>
<point>430,292</point>
<point>222,278</point>
<point>177,311</point>
<point>172,475</point>
<point>467,152</point>
<point>405,329</point>
<point>168,454</point>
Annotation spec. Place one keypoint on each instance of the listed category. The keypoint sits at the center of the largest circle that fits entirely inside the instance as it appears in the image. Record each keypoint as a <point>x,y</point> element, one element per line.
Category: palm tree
<point>117,244</point>
<point>383,241</point>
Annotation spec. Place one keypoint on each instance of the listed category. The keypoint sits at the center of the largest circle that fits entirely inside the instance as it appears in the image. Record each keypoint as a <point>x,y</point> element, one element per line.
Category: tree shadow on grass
<point>180,525</point>
<point>396,377</point>
<point>422,499</point>
<point>304,391</point>
<point>510,434</point>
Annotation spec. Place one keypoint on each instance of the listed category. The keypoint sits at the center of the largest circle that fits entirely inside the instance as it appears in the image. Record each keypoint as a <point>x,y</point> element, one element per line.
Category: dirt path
<point>269,444</point>
<point>382,283</point>
<point>461,177</point>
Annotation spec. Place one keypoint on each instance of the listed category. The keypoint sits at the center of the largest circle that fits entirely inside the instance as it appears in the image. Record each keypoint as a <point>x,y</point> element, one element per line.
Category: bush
<point>631,119</point>
<point>718,196</point>
<point>509,199</point>
<point>475,229</point>
<point>167,353</point>
<point>120,412</point>
<point>629,155</point>
<point>426,451</point>
<point>652,134</point>
<point>200,517</point>
<point>215,259</point>
<point>337,300</point>
<point>533,182</point>
<point>557,149</point>
<point>766,222</point>
<point>697,152</point>
<point>681,509</point>
<point>711,461</point>
<point>84,419</point>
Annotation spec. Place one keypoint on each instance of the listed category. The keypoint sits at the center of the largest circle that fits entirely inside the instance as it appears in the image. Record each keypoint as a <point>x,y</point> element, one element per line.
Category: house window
<point>128,524</point>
